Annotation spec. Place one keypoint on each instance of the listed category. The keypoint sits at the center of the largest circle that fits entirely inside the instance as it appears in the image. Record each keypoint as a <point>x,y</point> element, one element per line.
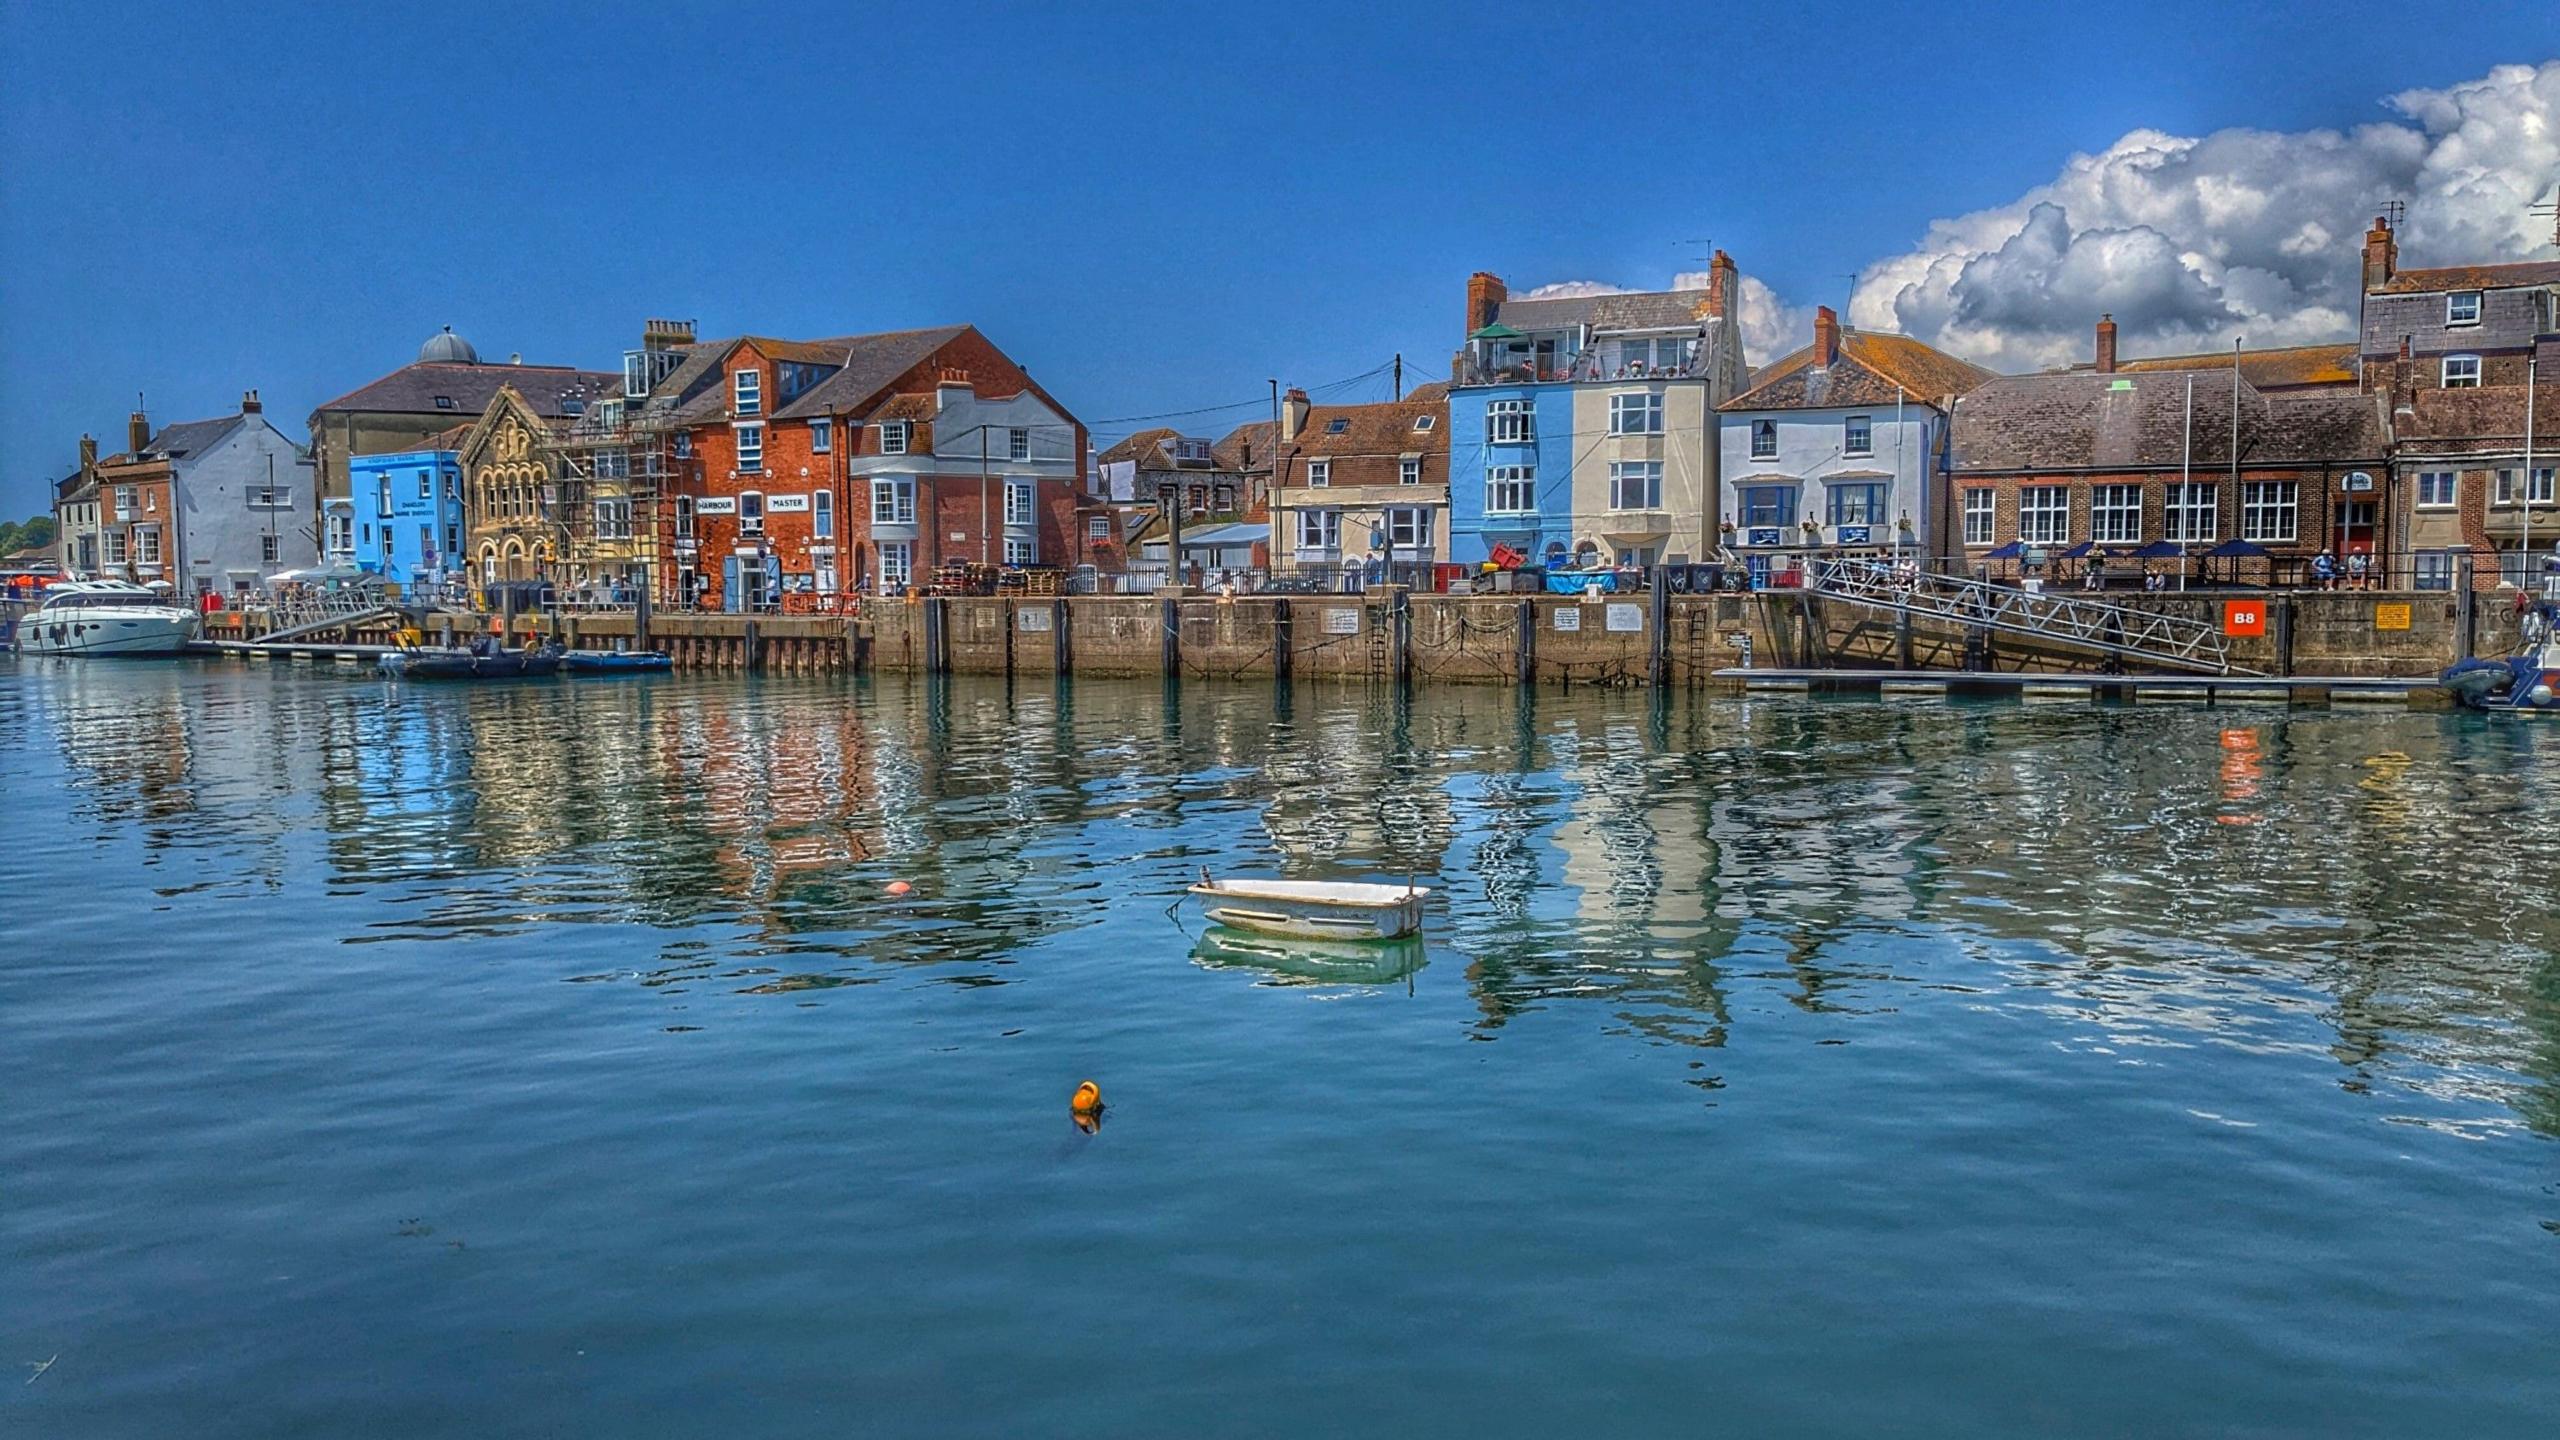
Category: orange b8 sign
<point>2244,617</point>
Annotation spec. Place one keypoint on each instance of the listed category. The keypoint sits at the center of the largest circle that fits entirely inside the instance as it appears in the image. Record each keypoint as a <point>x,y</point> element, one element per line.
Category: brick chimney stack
<point>1722,285</point>
<point>2106,344</point>
<point>1485,294</point>
<point>1293,406</point>
<point>88,453</point>
<point>249,404</point>
<point>137,433</point>
<point>2381,254</point>
<point>1826,336</point>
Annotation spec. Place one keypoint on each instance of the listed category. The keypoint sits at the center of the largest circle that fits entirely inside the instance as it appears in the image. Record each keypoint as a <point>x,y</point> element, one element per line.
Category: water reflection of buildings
<point>2161,876</point>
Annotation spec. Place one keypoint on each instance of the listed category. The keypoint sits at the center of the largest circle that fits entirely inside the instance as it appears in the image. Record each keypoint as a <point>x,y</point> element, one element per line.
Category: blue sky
<point>1154,206</point>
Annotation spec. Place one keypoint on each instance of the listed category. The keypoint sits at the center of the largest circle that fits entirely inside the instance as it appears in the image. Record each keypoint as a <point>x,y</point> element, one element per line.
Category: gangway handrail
<point>347,620</point>
<point>2170,640</point>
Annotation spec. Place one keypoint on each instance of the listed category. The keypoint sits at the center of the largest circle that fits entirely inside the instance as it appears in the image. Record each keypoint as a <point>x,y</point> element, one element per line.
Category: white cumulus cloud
<point>2191,241</point>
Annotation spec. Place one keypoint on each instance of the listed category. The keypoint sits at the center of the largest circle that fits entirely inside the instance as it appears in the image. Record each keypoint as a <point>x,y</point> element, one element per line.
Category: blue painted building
<point>405,520</point>
<point>1583,428</point>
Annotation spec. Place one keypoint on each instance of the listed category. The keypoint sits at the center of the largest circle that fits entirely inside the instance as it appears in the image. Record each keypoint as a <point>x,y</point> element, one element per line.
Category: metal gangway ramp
<point>336,620</point>
<point>2166,640</point>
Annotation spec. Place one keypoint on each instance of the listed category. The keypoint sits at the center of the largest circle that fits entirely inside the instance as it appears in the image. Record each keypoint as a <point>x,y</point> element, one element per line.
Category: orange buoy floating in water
<point>897,887</point>
<point>1088,1099</point>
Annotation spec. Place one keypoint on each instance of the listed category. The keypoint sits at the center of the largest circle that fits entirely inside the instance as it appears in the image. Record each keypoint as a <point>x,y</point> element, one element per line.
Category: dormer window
<point>746,392</point>
<point>444,402</point>
<point>1320,472</point>
<point>2462,307</point>
<point>1192,450</point>
<point>893,437</point>
<point>1018,445</point>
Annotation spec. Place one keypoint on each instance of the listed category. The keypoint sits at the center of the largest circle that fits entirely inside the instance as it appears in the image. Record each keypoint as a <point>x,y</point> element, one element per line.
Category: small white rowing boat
<point>1314,909</point>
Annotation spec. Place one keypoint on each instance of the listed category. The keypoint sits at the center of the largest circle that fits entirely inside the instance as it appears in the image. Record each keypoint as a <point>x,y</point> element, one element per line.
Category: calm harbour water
<point>547,1061</point>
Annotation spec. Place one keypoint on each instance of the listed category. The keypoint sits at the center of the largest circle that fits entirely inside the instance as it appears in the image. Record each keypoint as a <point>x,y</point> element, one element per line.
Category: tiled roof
<point>1384,428</point>
<point>1154,450</point>
<point>1247,448</point>
<point>2089,421</point>
<point>913,405</point>
<point>2288,368</point>
<point>413,389</point>
<point>1875,367</point>
<point>1148,448</point>
<point>870,363</point>
<point>2488,413</point>
<point>1635,310</point>
<point>2475,277</point>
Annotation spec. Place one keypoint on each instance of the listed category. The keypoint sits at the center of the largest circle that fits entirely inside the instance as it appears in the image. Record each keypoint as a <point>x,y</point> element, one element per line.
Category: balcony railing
<point>1586,367</point>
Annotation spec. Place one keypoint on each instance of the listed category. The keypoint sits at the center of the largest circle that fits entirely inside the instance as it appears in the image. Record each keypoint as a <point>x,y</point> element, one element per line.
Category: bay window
<point>1510,489</point>
<point>1635,485</point>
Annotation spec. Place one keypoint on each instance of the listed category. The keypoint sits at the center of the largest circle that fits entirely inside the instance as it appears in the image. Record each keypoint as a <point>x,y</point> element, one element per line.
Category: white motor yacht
<point>106,617</point>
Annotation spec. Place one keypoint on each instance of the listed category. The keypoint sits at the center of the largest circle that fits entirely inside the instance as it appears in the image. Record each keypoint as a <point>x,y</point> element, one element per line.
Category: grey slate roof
<point>870,363</point>
<point>2090,421</point>
<point>412,389</point>
<point>1640,310</point>
<point>193,437</point>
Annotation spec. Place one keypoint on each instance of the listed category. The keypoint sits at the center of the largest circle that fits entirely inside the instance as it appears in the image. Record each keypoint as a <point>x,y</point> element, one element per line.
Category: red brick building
<point>804,471</point>
<point>2116,465</point>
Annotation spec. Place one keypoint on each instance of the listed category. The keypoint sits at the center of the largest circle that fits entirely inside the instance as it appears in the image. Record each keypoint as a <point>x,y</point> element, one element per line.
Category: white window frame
<point>684,517</point>
<point>1636,412</point>
<point>750,512</point>
<point>822,436</point>
<point>2196,517</point>
<point>2434,569</point>
<point>1646,478</point>
<point>2537,491</point>
<point>893,437</point>
<point>1097,527</point>
<point>1760,430</point>
<point>1017,444</point>
<point>2430,481</point>
<point>822,515</point>
<point>1506,483</point>
<point>1511,422</point>
<point>2453,307</point>
<point>1320,530</point>
<point>1021,502</point>
<point>2115,514</point>
<point>897,563</point>
<point>269,551</point>
<point>1981,514</point>
<point>2270,511</point>
<point>1409,470</point>
<point>1319,472</point>
<point>426,484</point>
<point>2044,515</point>
<point>1425,421</point>
<point>1878,494</point>
<point>146,544</point>
<point>748,438</point>
<point>1021,550</point>
<point>746,392</point>
<point>1409,527</point>
<point>1858,435</point>
<point>893,502</point>
<point>112,546</point>
<point>2460,372</point>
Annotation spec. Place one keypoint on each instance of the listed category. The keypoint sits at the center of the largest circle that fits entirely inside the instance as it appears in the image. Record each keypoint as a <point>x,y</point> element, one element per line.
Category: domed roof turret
<point>449,348</point>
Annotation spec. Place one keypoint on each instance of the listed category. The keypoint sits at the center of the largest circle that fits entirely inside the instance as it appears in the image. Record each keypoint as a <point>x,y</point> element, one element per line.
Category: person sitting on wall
<point>2324,572</point>
<point>2359,570</point>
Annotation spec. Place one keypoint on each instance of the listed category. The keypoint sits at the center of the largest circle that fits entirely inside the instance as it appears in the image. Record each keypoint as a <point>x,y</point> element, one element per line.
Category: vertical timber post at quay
<point>1284,641</point>
<point>1170,617</point>
<point>1658,628</point>
<point>1005,616</point>
<point>2281,616</point>
<point>1061,645</point>
<point>2466,609</point>
<point>1527,642</point>
<point>1400,623</point>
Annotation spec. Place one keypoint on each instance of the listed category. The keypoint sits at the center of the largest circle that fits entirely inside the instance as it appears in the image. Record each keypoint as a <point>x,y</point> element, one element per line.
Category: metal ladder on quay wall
<point>2165,640</point>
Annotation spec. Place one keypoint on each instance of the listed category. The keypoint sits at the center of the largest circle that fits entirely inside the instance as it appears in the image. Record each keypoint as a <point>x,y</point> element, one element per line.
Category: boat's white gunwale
<point>1342,895</point>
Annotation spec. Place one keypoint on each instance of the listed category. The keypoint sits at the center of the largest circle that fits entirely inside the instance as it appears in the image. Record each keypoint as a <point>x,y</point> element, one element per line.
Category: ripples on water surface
<point>546,1060</point>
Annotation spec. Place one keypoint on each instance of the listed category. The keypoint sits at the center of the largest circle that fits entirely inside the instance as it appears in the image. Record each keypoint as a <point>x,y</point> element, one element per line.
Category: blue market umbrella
<point>2160,550</point>
<point>2237,550</point>
<point>2010,551</point>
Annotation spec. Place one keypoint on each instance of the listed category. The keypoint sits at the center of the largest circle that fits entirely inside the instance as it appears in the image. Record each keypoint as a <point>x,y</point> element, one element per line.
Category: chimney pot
<point>1485,294</point>
<point>137,434</point>
<point>1826,335</point>
<point>2106,344</point>
<point>2381,254</point>
<point>249,403</point>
